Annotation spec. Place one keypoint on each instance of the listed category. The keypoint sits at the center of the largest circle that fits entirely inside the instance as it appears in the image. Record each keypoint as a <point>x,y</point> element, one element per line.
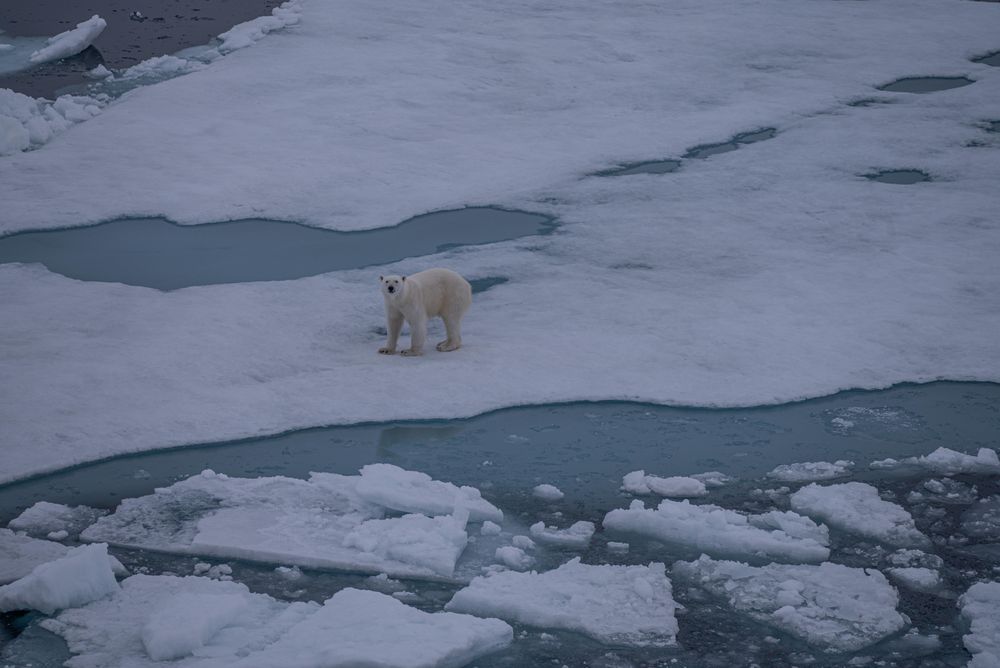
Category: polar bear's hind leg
<point>453,326</point>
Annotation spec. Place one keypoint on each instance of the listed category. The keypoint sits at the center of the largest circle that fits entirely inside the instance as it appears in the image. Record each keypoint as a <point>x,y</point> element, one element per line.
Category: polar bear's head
<point>393,286</point>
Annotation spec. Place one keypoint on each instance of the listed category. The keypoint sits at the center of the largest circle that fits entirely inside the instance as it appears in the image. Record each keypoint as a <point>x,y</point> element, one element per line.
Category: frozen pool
<point>155,253</point>
<point>584,449</point>
<point>899,176</point>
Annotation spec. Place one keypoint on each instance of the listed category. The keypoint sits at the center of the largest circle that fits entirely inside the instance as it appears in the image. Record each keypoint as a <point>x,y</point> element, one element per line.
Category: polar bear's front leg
<point>394,324</point>
<point>418,335</point>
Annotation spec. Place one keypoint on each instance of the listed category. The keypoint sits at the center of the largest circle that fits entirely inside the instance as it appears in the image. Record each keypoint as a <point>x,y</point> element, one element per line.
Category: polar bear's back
<point>443,291</point>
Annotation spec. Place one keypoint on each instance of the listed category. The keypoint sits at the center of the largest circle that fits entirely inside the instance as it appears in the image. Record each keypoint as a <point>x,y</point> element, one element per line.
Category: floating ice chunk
<point>713,478</point>
<point>615,546</point>
<point>161,67</point>
<point>319,523</point>
<point>856,507</point>
<point>806,471</point>
<point>365,628</point>
<point>44,518</point>
<point>576,536</point>
<point>415,492</point>
<point>514,557</point>
<point>547,492</point>
<point>915,559</point>
<point>99,72</point>
<point>981,607</point>
<point>915,578</point>
<point>982,520</point>
<point>245,34</point>
<point>434,543</point>
<point>709,528</point>
<point>490,529</point>
<point>71,42</point>
<point>184,622</point>
<point>637,482</point>
<point>949,462</point>
<point>523,542</point>
<point>944,490</point>
<point>829,605</point>
<point>629,605</point>
<point>82,575</point>
<point>19,555</point>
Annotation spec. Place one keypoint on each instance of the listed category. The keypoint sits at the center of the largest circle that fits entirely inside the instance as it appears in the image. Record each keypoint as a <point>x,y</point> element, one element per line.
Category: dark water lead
<point>992,59</point>
<point>155,253</point>
<point>902,177</point>
<point>925,84</point>
<point>708,150</point>
<point>993,126</point>
<point>648,167</point>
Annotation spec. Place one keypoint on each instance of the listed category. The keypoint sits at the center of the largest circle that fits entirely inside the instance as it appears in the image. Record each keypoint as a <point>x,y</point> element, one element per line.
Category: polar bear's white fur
<point>418,297</point>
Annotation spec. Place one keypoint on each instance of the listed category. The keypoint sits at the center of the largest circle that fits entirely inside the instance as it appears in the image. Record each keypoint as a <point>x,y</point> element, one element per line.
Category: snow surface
<point>45,518</point>
<point>856,507</point>
<point>323,522</point>
<point>981,607</point>
<point>82,575</point>
<point>213,624</point>
<point>547,492</point>
<point>622,605</point>
<point>71,42</point>
<point>828,605</point>
<point>637,482</point>
<point>806,471</point>
<point>775,535</point>
<point>19,555</point>
<point>439,106</point>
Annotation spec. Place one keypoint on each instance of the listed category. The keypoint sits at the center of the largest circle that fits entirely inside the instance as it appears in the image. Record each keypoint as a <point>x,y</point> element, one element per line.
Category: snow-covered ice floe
<point>576,536</point>
<point>213,624</point>
<point>808,471</point>
<point>856,507</point>
<point>828,605</point>
<point>27,122</point>
<point>626,605</point>
<point>71,42</point>
<point>83,574</point>
<point>324,522</point>
<point>45,519</point>
<point>981,608</point>
<point>916,578</point>
<point>637,482</point>
<point>20,554</point>
<point>775,535</point>
<point>948,462</point>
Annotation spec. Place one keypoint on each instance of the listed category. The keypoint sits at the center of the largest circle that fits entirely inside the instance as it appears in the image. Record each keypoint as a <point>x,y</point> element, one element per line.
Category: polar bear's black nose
<point>392,289</point>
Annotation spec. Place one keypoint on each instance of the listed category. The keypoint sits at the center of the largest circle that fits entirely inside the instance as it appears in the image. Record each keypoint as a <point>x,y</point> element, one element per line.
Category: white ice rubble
<point>547,492</point>
<point>26,122</point>
<point>212,624</point>
<point>626,605</point>
<point>775,535</point>
<point>856,507</point>
<point>45,518</point>
<point>329,521</point>
<point>808,471</point>
<point>576,536</point>
<point>83,574</point>
<point>828,605</point>
<point>981,608</point>
<point>637,482</point>
<point>70,42</point>
<point>20,554</point>
<point>948,462</point>
<point>779,236</point>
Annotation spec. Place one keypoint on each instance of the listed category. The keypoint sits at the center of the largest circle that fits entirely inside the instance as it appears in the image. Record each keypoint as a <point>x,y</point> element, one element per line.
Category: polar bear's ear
<point>382,278</point>
<point>404,279</point>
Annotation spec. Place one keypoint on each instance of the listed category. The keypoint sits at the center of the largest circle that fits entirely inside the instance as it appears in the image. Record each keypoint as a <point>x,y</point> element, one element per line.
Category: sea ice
<point>856,507</point>
<point>944,490</point>
<point>982,520</point>
<point>547,492</point>
<point>82,575</point>
<point>807,471</point>
<point>28,123</point>
<point>323,522</point>
<point>981,607</point>
<point>414,492</point>
<point>577,536</point>
<point>70,42</point>
<point>947,462</point>
<point>715,530</point>
<point>828,605</point>
<point>918,579</point>
<point>19,555</point>
<point>514,557</point>
<point>637,482</point>
<point>213,624</point>
<point>628,605</point>
<point>44,518</point>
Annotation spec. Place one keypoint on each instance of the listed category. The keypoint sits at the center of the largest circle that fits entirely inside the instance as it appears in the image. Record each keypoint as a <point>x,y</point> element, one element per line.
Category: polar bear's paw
<point>387,351</point>
<point>410,352</point>
<point>447,346</point>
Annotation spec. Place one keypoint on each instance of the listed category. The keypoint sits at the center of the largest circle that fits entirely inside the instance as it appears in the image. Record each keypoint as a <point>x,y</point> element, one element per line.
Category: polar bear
<point>415,298</point>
